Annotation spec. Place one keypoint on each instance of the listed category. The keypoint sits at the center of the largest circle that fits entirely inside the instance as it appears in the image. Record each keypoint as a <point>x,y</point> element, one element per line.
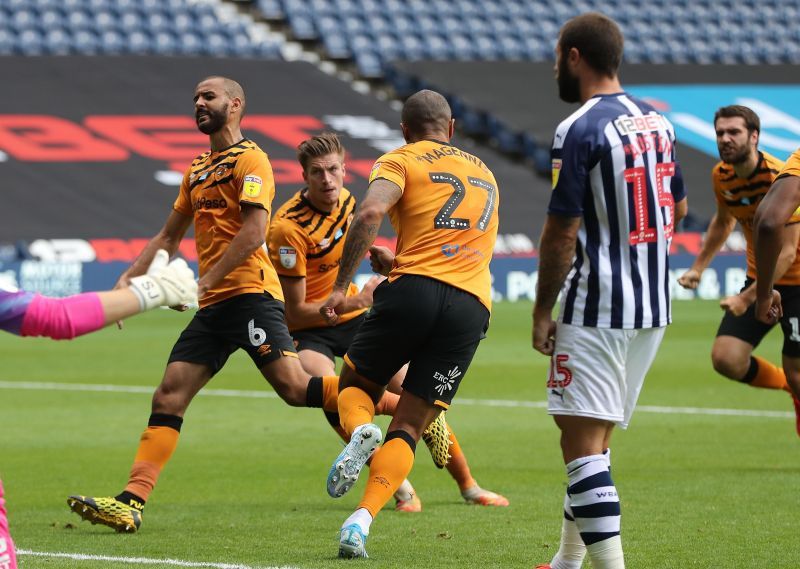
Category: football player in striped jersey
<point>617,195</point>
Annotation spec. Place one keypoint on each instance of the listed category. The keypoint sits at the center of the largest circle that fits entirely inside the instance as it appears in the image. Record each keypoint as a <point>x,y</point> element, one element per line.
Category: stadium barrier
<point>513,277</point>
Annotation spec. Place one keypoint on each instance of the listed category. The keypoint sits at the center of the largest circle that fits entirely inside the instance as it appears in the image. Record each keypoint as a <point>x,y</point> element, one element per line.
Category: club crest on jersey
<point>556,171</point>
<point>374,172</point>
<point>220,172</point>
<point>288,256</point>
<point>252,186</point>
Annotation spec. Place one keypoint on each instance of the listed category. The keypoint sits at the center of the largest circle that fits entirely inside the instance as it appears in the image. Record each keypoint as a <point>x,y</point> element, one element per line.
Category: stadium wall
<point>513,277</point>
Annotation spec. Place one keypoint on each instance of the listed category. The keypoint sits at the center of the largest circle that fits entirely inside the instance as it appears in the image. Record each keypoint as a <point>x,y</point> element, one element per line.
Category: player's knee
<point>292,393</point>
<point>169,400</point>
<point>727,365</point>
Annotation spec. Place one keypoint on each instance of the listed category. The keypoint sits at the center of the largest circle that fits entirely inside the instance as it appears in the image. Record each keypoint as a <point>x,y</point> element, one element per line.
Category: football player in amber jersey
<point>741,181</point>
<point>306,240</point>
<point>228,193</point>
<point>431,312</point>
<point>773,302</point>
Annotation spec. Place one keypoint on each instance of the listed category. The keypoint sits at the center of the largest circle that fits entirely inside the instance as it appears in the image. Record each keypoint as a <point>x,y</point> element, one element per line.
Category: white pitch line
<point>143,560</point>
<point>53,386</point>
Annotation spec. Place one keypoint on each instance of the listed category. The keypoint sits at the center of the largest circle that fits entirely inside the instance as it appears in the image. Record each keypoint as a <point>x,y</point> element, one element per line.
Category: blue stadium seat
<point>412,48</point>
<point>30,42</point>
<point>369,64</point>
<point>158,22</point>
<point>336,46</point>
<point>189,44</point>
<point>271,9</point>
<point>7,41</point>
<point>86,42</point>
<point>79,20</point>
<point>106,20</point>
<point>462,47</point>
<point>377,25</point>
<point>353,24</point>
<point>361,43</point>
<point>326,25</point>
<point>50,18</point>
<point>182,23</point>
<point>303,28</point>
<point>164,43</point>
<point>57,42</point>
<point>138,43</point>
<point>24,20</point>
<point>386,46</point>
<point>437,48</point>
<point>112,42</point>
<point>486,47</point>
<point>268,50</point>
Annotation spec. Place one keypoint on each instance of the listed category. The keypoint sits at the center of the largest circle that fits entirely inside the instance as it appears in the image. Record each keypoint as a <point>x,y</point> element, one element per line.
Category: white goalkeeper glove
<point>165,284</point>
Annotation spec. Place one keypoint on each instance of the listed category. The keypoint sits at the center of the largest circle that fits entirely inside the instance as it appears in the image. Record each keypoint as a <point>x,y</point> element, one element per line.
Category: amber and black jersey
<point>213,191</point>
<point>741,196</point>
<point>792,166</point>
<point>446,220</point>
<point>308,243</point>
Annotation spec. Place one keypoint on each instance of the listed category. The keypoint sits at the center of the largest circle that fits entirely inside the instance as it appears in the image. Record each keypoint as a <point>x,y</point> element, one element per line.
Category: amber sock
<point>355,408</point>
<point>765,375</point>
<point>156,446</point>
<point>387,404</point>
<point>391,465</point>
<point>457,465</point>
<point>330,393</point>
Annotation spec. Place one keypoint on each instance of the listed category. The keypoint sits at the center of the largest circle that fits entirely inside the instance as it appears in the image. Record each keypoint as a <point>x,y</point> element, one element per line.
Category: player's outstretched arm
<point>718,231</point>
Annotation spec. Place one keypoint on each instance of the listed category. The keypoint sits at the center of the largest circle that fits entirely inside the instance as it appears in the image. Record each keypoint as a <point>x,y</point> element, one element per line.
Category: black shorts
<point>331,341</point>
<point>432,325</point>
<point>254,322</point>
<point>751,330</point>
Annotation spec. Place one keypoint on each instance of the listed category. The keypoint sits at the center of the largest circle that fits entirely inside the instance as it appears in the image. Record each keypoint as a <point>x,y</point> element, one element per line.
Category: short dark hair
<point>597,38</point>
<point>232,88</point>
<point>426,110</point>
<point>751,120</point>
<point>320,145</point>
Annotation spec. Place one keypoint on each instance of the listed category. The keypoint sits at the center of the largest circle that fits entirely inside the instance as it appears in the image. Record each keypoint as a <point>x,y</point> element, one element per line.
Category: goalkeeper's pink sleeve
<point>8,559</point>
<point>63,318</point>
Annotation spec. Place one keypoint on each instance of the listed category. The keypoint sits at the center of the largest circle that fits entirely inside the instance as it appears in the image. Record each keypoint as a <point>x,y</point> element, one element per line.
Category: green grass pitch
<point>246,485</point>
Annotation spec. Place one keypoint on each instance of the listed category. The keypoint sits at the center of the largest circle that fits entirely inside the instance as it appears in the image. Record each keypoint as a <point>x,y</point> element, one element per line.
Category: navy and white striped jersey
<point>614,166</point>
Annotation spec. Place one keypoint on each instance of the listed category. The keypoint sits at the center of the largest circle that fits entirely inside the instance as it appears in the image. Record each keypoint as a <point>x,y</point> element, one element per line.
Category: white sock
<point>571,551</point>
<point>607,554</point>
<point>405,492</point>
<point>472,492</point>
<point>362,518</point>
<point>596,510</point>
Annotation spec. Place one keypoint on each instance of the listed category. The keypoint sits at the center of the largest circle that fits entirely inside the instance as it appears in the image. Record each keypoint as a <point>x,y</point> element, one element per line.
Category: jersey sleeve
<point>392,167</point>
<point>253,176</point>
<point>570,158</point>
<point>183,203</point>
<point>287,249</point>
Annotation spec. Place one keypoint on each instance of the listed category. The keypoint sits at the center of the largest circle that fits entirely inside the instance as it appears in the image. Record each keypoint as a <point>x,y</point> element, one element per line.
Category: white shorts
<point>599,372</point>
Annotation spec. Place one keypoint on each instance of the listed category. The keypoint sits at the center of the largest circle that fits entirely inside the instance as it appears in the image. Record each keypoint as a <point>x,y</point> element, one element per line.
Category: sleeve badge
<point>288,257</point>
<point>252,186</point>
